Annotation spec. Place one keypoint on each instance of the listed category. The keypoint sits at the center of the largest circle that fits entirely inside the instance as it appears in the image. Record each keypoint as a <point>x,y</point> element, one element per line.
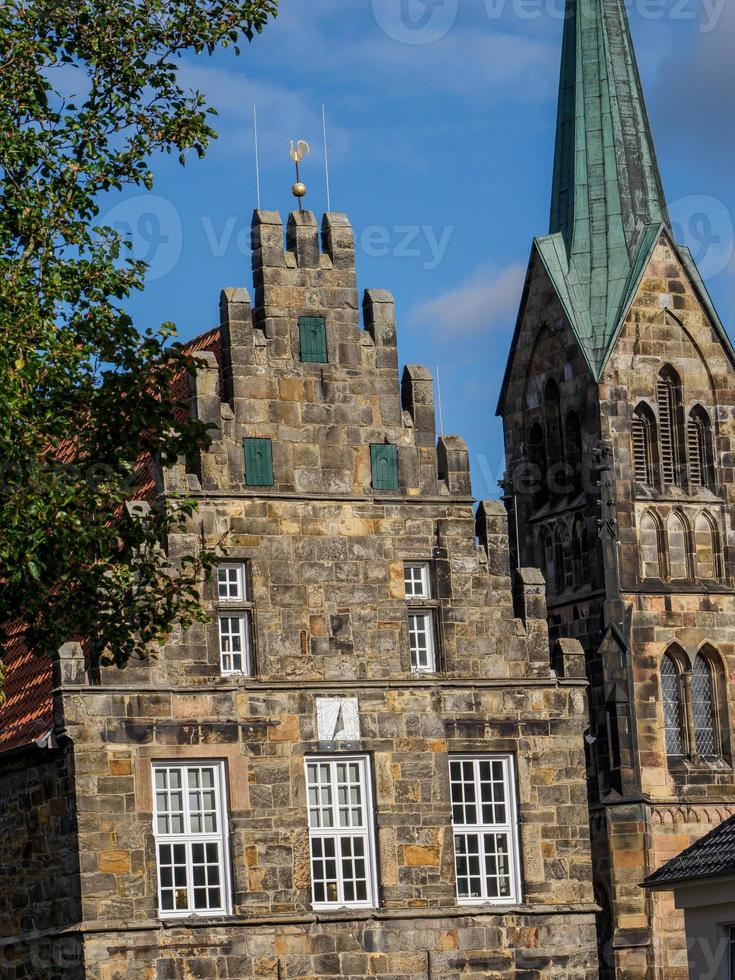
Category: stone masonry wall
<point>39,866</point>
<point>325,556</point>
<point>667,324</point>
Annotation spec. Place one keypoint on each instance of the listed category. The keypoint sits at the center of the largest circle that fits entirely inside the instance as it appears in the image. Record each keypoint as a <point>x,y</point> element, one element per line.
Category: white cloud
<point>488,300</point>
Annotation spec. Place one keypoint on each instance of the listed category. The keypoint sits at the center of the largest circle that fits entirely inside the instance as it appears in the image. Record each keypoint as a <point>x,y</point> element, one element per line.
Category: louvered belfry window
<point>699,446</point>
<point>694,441</point>
<point>668,425</point>
<point>642,432</point>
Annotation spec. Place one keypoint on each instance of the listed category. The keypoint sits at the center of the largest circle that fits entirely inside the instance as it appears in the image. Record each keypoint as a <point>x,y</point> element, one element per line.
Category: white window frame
<point>424,580</point>
<point>189,838</point>
<point>240,581</point>
<point>242,618</point>
<point>509,828</point>
<point>365,832</point>
<point>427,615</point>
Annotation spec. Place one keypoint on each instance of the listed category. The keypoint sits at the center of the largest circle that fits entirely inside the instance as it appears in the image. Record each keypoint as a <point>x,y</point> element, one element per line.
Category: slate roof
<point>710,857</point>
<point>26,715</point>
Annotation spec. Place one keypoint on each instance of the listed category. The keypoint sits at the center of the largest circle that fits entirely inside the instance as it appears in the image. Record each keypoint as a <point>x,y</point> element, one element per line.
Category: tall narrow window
<point>191,843</point>
<point>485,829</point>
<point>651,548</point>
<point>643,431</point>
<point>552,415</point>
<point>580,551</point>
<point>678,541</point>
<point>421,632</point>
<point>668,393</point>
<point>573,450</point>
<point>707,548</point>
<point>539,476</point>
<point>343,865</point>
<point>671,691</point>
<point>699,445</point>
<point>235,619</point>
<point>234,644</point>
<point>703,707</point>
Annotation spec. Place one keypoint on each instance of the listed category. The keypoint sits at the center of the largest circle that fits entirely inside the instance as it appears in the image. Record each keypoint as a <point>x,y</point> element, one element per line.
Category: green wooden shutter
<point>313,339</point>
<point>384,459</point>
<point>258,462</point>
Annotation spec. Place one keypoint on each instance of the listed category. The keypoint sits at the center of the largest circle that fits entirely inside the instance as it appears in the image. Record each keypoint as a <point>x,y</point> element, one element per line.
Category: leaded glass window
<point>703,709</point>
<point>672,708</point>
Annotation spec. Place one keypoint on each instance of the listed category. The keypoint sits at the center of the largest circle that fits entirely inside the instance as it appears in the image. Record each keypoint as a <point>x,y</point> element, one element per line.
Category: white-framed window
<point>485,827</point>
<point>343,864</point>
<point>421,633</point>
<point>232,583</point>
<point>416,580</point>
<point>234,643</point>
<point>192,852</point>
<point>421,640</point>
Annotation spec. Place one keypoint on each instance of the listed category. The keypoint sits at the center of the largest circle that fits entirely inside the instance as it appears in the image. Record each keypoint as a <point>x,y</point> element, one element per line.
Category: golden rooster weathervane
<point>297,155</point>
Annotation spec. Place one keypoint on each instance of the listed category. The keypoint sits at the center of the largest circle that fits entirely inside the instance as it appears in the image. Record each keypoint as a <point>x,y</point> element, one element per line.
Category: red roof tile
<point>27,712</point>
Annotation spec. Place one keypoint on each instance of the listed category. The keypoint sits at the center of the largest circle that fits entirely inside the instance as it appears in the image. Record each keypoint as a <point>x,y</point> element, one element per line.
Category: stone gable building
<point>618,408</point>
<point>365,766</point>
<point>407,744</point>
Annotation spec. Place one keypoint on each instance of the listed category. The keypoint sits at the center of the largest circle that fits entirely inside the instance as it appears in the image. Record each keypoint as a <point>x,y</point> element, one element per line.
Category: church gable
<point>671,318</point>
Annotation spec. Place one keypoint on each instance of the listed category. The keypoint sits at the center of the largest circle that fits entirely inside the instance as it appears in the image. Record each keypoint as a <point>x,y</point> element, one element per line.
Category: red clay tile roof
<point>27,712</point>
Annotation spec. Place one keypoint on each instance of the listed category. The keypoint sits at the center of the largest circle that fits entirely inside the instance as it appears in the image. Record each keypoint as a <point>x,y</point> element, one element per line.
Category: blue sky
<point>441,117</point>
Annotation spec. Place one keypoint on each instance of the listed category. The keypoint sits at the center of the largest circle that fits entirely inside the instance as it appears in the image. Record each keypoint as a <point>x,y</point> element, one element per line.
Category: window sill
<point>213,914</point>
<point>337,908</point>
<point>684,764</point>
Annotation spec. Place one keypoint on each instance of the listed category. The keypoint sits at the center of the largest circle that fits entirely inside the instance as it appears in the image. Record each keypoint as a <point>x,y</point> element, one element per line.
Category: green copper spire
<point>607,188</point>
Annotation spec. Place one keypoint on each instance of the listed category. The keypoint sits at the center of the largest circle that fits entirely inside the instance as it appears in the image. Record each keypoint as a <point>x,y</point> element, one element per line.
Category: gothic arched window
<point>538,464</point>
<point>573,450</point>
<point>678,547</point>
<point>652,547</point>
<point>707,548</point>
<point>703,710</point>
<point>672,703</point>
<point>562,558</point>
<point>643,431</point>
<point>699,444</point>
<point>552,415</point>
<point>580,552</point>
<point>668,396</point>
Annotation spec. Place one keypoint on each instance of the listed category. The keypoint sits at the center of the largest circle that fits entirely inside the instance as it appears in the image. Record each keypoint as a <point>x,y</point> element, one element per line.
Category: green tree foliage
<point>83,392</point>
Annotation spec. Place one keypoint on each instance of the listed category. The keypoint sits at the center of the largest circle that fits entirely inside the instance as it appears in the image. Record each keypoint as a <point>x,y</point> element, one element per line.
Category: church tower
<point>618,407</point>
